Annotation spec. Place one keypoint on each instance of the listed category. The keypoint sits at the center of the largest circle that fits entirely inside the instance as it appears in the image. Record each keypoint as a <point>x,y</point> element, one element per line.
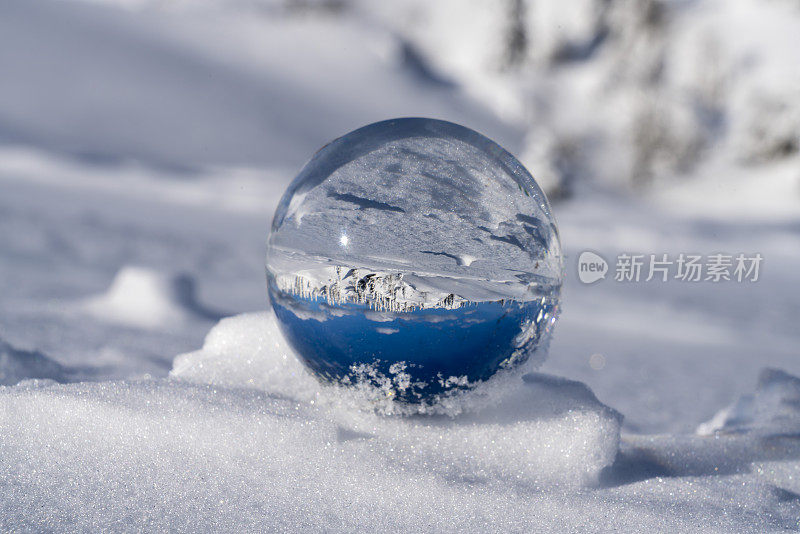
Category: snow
<point>773,410</point>
<point>626,92</point>
<point>144,147</point>
<point>540,429</point>
<point>247,351</point>
<point>206,81</point>
<point>17,365</point>
<point>169,454</point>
<point>141,297</point>
<point>242,435</point>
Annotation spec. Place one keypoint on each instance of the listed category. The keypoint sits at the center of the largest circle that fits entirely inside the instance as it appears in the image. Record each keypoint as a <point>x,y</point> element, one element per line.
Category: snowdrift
<point>537,429</point>
<point>241,437</point>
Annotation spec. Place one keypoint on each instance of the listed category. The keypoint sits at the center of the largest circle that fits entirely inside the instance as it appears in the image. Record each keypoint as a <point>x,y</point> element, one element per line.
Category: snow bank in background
<point>184,87</point>
<point>623,92</point>
<point>144,298</point>
<point>232,189</point>
<point>17,365</point>
<point>538,429</point>
<point>774,409</point>
<point>758,434</point>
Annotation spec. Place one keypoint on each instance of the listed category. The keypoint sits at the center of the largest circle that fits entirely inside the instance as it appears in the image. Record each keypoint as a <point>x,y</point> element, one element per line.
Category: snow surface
<point>143,149</point>
<point>539,429</point>
<point>242,437</point>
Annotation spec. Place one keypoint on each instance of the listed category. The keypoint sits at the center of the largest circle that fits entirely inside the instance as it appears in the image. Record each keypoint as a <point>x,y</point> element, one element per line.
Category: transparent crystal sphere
<point>415,256</point>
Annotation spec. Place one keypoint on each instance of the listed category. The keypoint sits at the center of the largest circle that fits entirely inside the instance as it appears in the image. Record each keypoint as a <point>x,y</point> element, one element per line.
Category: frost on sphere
<point>414,256</point>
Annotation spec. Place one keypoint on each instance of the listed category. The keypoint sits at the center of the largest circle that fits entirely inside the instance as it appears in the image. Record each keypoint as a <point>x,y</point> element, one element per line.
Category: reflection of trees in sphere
<point>415,255</point>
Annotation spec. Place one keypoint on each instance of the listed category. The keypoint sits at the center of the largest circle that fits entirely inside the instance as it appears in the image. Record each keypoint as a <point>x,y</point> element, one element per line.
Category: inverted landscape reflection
<point>416,256</point>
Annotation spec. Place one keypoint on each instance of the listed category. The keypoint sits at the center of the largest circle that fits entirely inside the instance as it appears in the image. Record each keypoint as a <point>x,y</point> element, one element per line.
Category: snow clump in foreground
<point>241,437</point>
<point>535,428</point>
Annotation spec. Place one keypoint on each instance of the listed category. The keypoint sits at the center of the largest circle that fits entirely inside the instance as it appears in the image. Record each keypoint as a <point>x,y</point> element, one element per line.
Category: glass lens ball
<point>415,256</point>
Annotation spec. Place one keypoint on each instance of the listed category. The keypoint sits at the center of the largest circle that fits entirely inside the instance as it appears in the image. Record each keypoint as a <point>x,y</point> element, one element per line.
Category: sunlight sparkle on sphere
<point>416,256</point>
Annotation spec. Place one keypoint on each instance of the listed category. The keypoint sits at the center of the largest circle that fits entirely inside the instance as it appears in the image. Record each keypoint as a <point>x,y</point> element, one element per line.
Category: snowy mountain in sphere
<point>421,234</point>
